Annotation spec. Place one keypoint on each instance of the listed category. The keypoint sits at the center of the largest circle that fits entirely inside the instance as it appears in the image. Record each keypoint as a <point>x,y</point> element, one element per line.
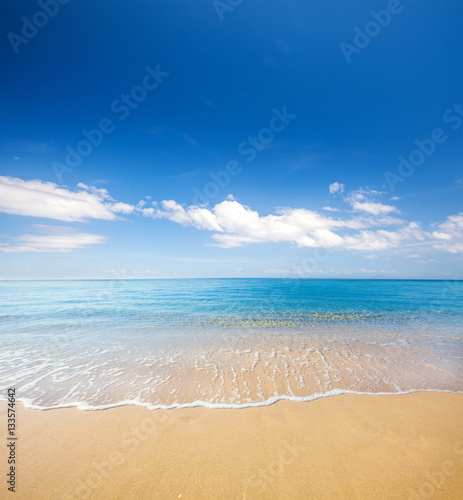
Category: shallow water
<point>226,342</point>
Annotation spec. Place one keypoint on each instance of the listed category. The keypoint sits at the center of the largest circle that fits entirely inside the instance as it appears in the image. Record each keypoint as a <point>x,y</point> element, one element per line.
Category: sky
<point>228,138</point>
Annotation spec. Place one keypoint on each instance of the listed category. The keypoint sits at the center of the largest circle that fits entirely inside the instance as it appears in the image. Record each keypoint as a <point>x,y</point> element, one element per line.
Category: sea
<point>226,343</point>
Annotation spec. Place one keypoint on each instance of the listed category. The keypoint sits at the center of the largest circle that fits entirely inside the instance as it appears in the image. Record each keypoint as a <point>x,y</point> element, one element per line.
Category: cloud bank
<point>365,225</point>
<point>236,225</point>
<point>36,198</point>
<point>450,234</point>
<point>52,239</point>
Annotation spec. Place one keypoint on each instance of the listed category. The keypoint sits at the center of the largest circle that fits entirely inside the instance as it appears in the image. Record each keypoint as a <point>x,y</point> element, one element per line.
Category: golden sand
<point>349,446</point>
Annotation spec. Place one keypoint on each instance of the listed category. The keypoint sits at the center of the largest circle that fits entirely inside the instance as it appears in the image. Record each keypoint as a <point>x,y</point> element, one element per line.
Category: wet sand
<point>349,446</point>
<point>236,370</point>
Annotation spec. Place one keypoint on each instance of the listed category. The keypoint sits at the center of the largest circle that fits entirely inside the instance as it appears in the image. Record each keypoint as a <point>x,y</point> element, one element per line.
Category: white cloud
<point>451,247</point>
<point>52,239</point>
<point>450,234</point>
<point>36,198</point>
<point>200,218</point>
<point>336,187</point>
<point>237,225</point>
<point>373,208</point>
<point>450,228</point>
<point>360,200</point>
<point>374,271</point>
<point>382,239</point>
<point>370,227</point>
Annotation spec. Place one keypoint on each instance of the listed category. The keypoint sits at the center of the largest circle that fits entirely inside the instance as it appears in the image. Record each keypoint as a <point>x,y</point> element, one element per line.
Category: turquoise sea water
<point>226,342</point>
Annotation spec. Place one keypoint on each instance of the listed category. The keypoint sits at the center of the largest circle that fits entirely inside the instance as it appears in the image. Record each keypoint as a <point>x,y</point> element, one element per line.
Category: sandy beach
<point>231,250</point>
<point>349,446</point>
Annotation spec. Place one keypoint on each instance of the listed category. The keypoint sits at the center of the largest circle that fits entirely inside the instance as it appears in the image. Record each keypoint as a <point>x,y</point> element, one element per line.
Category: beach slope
<point>349,446</point>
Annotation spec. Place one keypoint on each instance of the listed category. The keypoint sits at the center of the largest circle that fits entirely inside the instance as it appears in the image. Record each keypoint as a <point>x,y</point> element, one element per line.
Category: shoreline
<point>351,446</point>
<point>84,406</point>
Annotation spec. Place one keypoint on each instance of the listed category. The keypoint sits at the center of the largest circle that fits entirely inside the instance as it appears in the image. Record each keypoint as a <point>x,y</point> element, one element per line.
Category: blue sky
<point>260,139</point>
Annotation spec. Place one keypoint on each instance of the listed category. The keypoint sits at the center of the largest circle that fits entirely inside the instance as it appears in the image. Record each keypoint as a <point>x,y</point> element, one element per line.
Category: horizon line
<point>233,278</point>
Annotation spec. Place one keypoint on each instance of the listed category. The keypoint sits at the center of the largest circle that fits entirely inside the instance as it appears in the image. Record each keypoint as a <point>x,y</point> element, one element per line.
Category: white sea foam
<point>83,405</point>
<point>157,345</point>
